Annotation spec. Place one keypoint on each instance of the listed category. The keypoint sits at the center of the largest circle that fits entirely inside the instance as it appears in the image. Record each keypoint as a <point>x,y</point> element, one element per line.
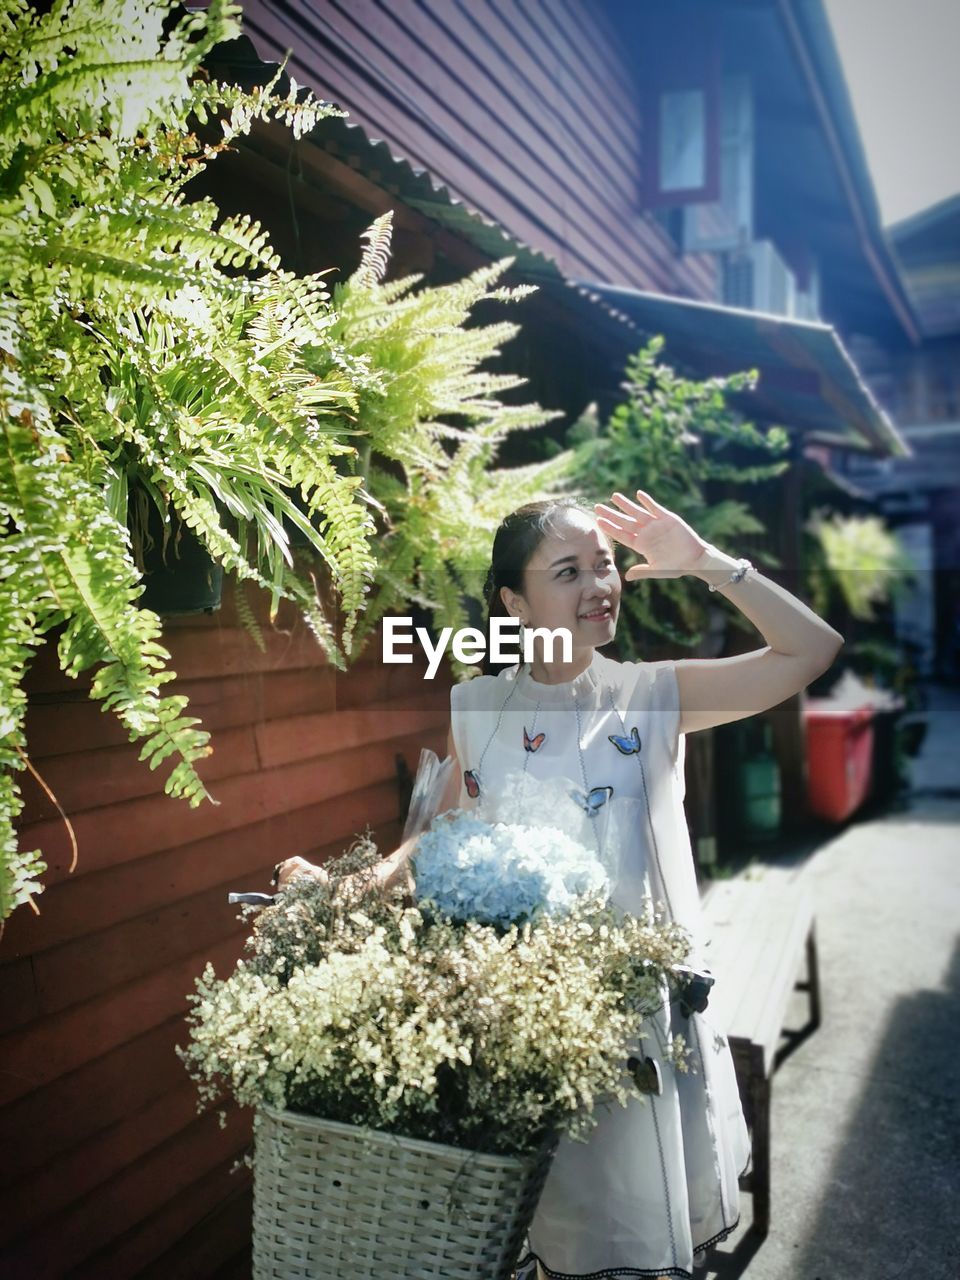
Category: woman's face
<point>570,581</point>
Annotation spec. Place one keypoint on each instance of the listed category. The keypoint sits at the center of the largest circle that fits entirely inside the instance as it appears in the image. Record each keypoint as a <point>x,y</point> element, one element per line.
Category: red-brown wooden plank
<point>191,1210</point>
<point>54,1046</point>
<point>140,827</point>
<point>303,737</point>
<point>181,1168</point>
<point>216,1239</point>
<point>116,774</point>
<point>331,75</point>
<point>84,904</point>
<point>71,1111</point>
<point>226,650</point>
<point>598,43</point>
<point>474,118</point>
<point>56,724</point>
<point>19,1001</point>
<point>607,95</point>
<point>44,672</point>
<point>195,654</point>
<point>579,34</point>
<point>490,45</point>
<point>98,962</point>
<point>231,651</point>
<point>653,260</point>
<point>102,961</point>
<point>43,1194</point>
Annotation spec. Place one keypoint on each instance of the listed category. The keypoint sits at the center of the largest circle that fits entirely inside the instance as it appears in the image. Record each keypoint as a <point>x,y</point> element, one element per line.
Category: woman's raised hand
<point>667,543</point>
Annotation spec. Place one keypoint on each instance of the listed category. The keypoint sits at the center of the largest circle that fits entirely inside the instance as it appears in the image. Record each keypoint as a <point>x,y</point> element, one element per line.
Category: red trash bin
<point>839,752</point>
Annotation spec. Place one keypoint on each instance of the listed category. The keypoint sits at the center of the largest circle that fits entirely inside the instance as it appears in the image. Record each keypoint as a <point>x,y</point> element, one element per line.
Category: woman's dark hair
<point>514,543</point>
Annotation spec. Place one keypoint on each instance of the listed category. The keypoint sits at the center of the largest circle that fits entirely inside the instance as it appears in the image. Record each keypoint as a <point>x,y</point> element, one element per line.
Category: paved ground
<point>866,1117</point>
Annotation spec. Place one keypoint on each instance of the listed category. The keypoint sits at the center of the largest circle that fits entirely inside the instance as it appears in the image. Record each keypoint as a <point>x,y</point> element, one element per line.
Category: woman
<point>656,1184</point>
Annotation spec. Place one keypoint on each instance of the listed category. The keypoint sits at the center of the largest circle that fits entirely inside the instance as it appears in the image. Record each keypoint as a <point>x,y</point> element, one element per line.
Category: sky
<point>901,59</point>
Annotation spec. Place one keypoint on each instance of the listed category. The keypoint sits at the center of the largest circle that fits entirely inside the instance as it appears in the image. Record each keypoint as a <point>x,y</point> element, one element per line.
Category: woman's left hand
<point>285,872</point>
<point>667,543</point>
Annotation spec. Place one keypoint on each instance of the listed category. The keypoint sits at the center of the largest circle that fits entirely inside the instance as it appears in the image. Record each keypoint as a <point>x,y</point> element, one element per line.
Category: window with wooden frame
<point>681,111</point>
<point>726,223</point>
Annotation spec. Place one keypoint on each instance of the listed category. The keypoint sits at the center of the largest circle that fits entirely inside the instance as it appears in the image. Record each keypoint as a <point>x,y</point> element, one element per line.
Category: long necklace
<point>593,798</point>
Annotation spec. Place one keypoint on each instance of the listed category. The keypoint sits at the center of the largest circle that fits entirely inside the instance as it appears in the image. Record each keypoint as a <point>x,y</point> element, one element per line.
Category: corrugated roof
<point>420,190</point>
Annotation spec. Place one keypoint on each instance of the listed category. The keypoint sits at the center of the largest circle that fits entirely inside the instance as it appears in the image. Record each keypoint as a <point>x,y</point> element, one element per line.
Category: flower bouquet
<point>413,1066</point>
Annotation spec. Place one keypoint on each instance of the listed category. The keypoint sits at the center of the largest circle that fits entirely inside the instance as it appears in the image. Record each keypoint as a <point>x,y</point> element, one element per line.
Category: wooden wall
<point>108,1171</point>
<point>529,112</point>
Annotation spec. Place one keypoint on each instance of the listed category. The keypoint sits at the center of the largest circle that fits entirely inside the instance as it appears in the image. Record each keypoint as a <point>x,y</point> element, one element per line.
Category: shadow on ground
<point>894,1186</point>
<point>866,1118</point>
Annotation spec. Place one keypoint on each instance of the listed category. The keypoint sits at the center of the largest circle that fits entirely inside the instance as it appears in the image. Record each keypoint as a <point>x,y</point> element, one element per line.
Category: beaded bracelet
<point>739,573</point>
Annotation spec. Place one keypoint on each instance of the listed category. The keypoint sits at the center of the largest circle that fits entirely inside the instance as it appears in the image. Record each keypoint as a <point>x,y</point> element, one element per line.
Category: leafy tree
<point>431,431</point>
<point>673,436</point>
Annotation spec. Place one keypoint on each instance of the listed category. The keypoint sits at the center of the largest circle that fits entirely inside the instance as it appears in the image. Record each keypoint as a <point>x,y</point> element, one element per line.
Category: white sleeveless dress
<point>656,1182</point>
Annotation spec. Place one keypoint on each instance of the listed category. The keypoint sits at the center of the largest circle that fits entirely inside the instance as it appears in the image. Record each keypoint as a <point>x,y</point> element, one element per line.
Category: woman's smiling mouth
<point>597,615</point>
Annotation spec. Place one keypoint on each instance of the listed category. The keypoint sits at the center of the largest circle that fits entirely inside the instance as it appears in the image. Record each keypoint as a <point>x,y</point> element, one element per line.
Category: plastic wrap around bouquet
<point>530,849</point>
<point>502,873</point>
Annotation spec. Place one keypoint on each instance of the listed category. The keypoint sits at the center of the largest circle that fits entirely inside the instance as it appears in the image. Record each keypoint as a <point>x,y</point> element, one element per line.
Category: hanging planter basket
<point>334,1201</point>
<point>188,586</point>
<point>181,577</point>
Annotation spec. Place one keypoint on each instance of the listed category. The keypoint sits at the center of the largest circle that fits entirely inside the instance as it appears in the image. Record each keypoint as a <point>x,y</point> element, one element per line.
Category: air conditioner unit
<point>756,278</point>
<point>807,301</point>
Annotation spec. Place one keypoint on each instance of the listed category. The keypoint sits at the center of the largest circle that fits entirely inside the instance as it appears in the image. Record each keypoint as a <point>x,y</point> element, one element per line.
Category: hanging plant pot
<point>179,574</point>
<point>337,1201</point>
<point>193,586</point>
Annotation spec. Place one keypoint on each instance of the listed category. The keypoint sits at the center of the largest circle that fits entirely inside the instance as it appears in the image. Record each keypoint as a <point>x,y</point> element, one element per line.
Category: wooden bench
<point>761,937</point>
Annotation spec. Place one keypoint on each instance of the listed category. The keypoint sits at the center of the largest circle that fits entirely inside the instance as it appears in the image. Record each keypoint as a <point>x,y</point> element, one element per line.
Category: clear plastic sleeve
<point>429,787</point>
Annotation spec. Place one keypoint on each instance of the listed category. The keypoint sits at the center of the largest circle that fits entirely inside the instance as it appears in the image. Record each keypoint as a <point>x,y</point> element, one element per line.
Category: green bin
<point>757,783</point>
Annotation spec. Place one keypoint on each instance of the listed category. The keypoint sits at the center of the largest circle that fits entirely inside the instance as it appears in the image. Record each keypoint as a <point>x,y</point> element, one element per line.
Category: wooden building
<point>920,496</point>
<point>609,147</point>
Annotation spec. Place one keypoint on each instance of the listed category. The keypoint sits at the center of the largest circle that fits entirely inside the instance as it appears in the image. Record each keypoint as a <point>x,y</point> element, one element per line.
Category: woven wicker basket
<point>335,1202</point>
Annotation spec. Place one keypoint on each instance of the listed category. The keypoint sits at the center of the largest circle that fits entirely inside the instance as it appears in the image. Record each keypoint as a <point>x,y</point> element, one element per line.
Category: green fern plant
<point>431,423</point>
<point>150,346</point>
<point>144,340</point>
<point>673,436</point>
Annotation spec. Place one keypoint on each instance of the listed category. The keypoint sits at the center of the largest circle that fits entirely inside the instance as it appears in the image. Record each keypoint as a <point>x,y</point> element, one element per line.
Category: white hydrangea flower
<point>502,872</point>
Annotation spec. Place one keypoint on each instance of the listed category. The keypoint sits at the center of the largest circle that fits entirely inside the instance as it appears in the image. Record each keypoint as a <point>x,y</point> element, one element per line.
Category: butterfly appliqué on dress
<point>594,800</point>
<point>472,782</point>
<point>533,744</point>
<point>626,746</point>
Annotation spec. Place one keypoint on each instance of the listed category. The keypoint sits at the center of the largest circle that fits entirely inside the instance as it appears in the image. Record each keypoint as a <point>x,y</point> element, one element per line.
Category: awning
<point>808,381</point>
<point>934,465</point>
